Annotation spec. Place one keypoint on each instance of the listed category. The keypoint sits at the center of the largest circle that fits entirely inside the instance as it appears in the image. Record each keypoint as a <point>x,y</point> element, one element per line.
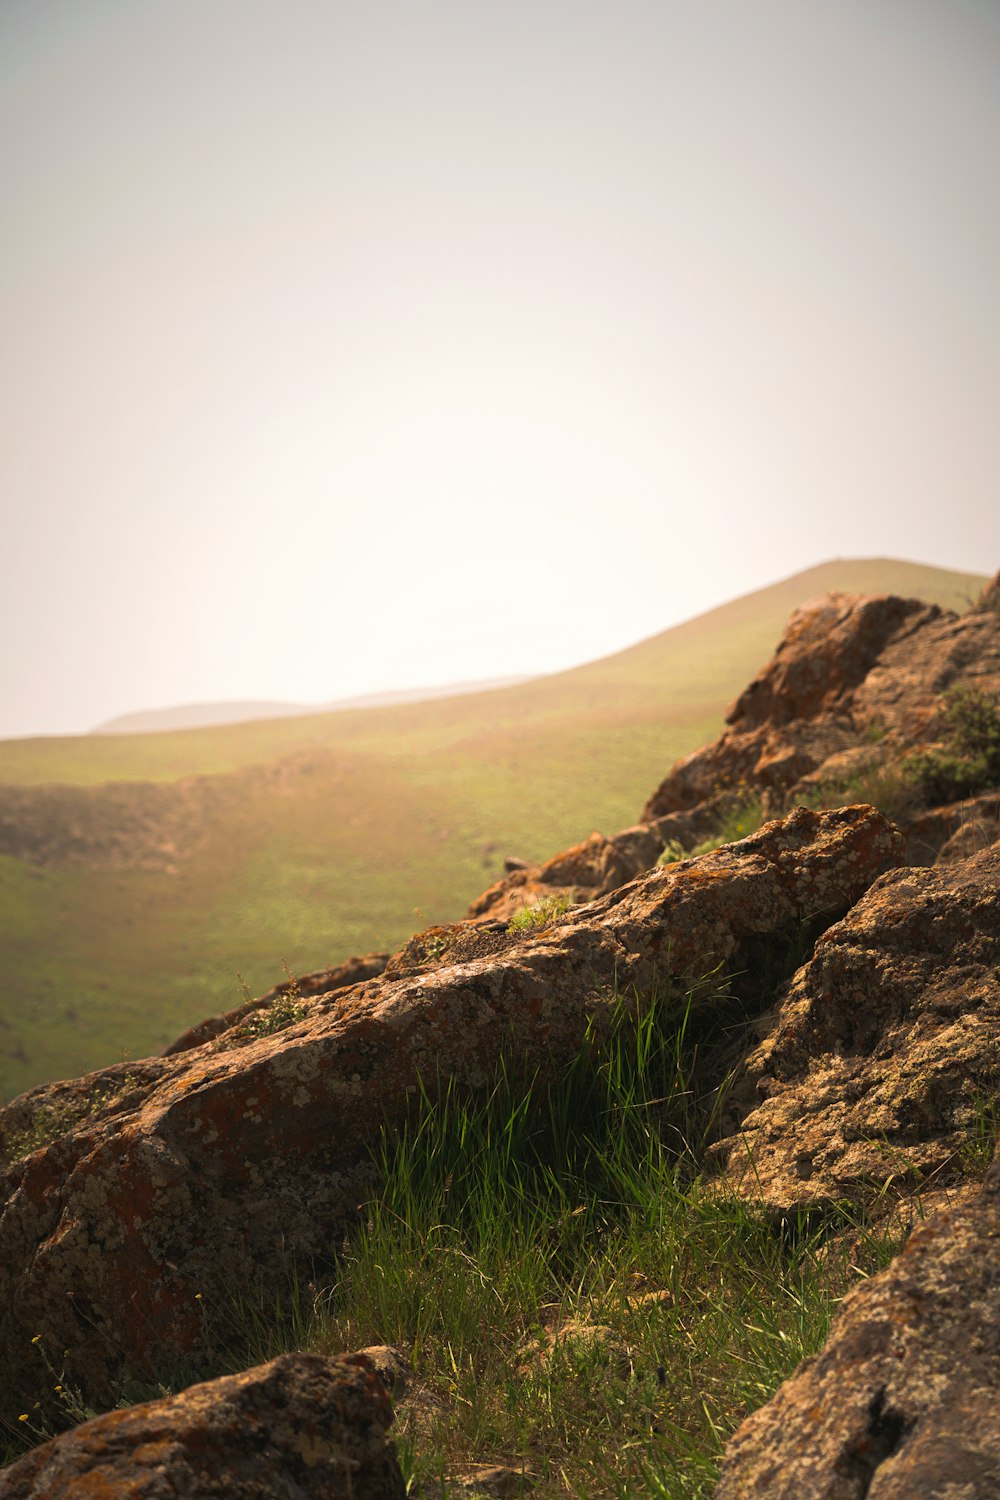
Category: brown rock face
<point>828,648</point>
<point>121,1239</point>
<point>904,1400</point>
<point>302,1426</point>
<point>305,987</point>
<point>592,868</point>
<point>847,666</point>
<point>884,1046</point>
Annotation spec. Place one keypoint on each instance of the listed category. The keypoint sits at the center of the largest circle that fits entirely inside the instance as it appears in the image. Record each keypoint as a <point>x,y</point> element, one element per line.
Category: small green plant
<point>541,914</point>
<point>983,1130</point>
<point>885,785</point>
<point>50,1121</point>
<point>738,821</point>
<point>436,946</point>
<point>284,1010</point>
<point>971,759</point>
<point>673,851</point>
<point>47,1124</point>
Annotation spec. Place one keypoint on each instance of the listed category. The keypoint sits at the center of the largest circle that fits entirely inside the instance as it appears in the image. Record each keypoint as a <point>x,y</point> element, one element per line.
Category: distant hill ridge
<point>209,715</point>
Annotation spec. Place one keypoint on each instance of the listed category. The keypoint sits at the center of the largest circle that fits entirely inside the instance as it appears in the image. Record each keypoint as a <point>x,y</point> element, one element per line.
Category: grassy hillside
<point>308,839</point>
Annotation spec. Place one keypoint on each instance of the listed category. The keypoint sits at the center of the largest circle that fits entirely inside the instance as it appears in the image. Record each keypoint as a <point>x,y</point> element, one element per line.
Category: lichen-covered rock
<point>591,868</point>
<point>953,831</point>
<point>904,1398</point>
<point>302,987</point>
<point>302,1426</point>
<point>121,1239</point>
<point>885,1048</point>
<point>847,668</point>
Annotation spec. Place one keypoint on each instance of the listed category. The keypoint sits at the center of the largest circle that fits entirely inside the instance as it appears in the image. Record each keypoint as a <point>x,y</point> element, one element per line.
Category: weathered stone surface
<point>305,987</point>
<point>884,1047</point>
<point>592,868</point>
<point>300,1426</point>
<point>120,1241</point>
<point>990,598</point>
<point>392,1365</point>
<point>847,667</point>
<point>954,831</point>
<point>904,1399</point>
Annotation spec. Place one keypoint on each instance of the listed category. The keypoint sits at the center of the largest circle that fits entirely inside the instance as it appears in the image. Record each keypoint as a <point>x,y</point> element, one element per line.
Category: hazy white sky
<point>358,346</point>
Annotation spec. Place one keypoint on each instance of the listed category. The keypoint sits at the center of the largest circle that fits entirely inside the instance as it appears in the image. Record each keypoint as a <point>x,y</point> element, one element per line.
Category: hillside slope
<point>701,1096</point>
<point>151,870</point>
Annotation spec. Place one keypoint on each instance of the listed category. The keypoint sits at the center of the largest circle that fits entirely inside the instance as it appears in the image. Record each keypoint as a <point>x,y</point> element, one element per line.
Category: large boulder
<point>904,1399</point>
<point>300,1428</point>
<point>848,671</point>
<point>172,1182</point>
<point>884,1049</point>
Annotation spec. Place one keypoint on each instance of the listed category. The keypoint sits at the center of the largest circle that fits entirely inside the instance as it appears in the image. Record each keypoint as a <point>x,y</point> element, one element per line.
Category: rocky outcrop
<point>133,1201</point>
<point>300,988</point>
<point>227,1164</point>
<point>302,1426</point>
<point>855,683</point>
<point>940,835</point>
<point>884,1050</point>
<point>904,1399</point>
<point>848,670</point>
<point>589,869</point>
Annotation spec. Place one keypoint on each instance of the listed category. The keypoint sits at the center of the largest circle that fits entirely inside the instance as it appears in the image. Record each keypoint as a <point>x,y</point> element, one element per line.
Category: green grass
<point>539,914</point>
<point>572,1197</point>
<point>502,1218</point>
<point>334,834</point>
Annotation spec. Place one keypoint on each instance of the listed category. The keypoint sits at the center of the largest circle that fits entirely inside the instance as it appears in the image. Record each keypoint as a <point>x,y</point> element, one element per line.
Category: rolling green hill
<point>140,873</point>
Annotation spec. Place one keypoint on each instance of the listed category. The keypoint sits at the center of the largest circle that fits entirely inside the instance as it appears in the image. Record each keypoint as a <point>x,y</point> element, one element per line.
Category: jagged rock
<point>121,1240</point>
<point>942,834</point>
<point>592,868</point>
<point>904,1399</point>
<point>392,1365</point>
<point>447,944</point>
<point>990,597</point>
<point>884,1047</point>
<point>846,667</point>
<point>305,986</point>
<point>300,1426</point>
<point>970,837</point>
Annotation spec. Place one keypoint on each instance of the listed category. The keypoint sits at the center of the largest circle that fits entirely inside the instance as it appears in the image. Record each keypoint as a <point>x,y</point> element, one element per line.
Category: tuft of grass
<point>539,915</point>
<point>982,1133</point>
<point>49,1121</point>
<point>970,761</point>
<point>576,1200</point>
<point>886,786</point>
<point>284,1010</point>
